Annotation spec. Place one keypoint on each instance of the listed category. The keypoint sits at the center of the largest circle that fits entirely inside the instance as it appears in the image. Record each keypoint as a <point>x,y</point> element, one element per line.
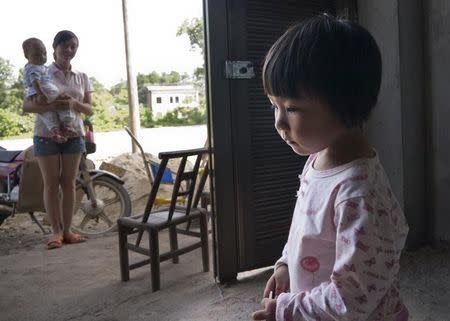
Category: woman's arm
<point>35,105</point>
<point>84,107</point>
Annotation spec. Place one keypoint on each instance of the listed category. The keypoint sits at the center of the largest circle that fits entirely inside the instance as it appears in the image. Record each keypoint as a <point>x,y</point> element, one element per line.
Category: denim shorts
<point>44,146</point>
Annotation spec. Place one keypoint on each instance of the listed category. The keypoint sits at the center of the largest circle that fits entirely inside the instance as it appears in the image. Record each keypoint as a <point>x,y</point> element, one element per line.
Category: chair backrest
<point>202,181</point>
<point>182,175</point>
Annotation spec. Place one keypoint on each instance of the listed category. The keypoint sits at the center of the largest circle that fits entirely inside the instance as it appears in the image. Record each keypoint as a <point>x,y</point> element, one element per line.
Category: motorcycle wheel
<point>3,216</point>
<point>113,202</point>
<point>5,212</point>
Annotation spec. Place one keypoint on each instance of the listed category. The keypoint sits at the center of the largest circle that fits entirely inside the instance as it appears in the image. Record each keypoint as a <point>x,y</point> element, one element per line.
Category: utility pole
<point>133,103</point>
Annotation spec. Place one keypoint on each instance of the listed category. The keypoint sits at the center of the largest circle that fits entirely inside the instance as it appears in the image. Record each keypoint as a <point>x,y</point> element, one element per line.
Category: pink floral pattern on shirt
<point>310,264</point>
<point>351,246</point>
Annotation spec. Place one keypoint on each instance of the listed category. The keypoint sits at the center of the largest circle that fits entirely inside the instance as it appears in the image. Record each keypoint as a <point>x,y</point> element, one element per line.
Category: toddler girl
<point>341,259</point>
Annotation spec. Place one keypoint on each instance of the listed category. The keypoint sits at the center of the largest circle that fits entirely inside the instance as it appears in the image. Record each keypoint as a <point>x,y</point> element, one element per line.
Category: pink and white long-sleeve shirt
<point>344,246</point>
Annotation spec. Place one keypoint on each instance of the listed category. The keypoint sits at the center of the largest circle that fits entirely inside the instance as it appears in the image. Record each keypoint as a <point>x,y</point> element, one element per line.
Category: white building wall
<point>166,99</point>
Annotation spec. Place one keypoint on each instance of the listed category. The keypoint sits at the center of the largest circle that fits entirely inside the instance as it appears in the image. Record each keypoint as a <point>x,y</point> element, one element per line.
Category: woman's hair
<point>63,36</point>
<point>327,58</point>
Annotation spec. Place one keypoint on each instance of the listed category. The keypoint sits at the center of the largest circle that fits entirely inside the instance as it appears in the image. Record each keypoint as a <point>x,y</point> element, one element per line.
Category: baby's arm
<point>34,74</point>
<point>38,88</point>
<point>364,271</point>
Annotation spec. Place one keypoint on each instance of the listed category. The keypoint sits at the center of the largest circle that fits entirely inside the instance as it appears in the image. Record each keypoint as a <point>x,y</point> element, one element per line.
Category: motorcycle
<point>100,195</point>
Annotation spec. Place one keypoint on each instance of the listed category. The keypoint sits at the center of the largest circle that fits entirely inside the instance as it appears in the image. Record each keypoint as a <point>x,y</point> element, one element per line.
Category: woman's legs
<point>50,170</point>
<point>69,170</point>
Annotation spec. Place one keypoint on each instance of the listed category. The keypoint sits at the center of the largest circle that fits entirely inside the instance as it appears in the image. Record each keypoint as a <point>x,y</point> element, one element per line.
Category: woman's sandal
<point>74,238</point>
<point>54,243</point>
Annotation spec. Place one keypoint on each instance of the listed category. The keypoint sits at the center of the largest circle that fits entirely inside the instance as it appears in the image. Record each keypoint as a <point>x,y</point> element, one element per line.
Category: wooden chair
<point>167,218</point>
<point>151,168</point>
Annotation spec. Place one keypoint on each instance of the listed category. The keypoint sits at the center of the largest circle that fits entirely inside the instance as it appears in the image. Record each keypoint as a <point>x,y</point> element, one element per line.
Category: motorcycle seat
<point>7,156</point>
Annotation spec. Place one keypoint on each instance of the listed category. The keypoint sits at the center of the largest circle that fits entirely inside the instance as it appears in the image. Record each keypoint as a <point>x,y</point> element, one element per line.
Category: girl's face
<point>65,51</point>
<point>307,125</point>
<point>37,55</point>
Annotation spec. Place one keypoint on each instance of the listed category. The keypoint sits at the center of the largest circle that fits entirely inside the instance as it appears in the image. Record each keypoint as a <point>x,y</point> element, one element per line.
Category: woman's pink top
<point>75,84</point>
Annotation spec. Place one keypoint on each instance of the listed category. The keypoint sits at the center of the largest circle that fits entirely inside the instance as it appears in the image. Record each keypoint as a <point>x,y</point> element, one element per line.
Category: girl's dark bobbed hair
<point>328,58</point>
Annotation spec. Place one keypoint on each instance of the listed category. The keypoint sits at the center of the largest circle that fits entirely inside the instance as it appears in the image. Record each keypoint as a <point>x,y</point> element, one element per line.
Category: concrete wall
<point>397,126</point>
<point>381,19</point>
<point>437,37</point>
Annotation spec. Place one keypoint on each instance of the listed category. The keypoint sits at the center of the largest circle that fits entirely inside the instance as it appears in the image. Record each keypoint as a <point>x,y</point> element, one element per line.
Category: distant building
<point>162,99</point>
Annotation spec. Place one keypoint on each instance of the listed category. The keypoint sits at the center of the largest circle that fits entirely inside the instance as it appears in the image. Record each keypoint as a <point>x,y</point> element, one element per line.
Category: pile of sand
<point>137,183</point>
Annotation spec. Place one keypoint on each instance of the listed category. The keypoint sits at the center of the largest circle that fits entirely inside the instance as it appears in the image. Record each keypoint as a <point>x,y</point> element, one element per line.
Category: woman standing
<point>59,161</point>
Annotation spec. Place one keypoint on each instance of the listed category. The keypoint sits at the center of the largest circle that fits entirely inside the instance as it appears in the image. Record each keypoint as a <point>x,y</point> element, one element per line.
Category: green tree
<point>146,117</point>
<point>183,116</point>
<point>6,74</point>
<point>96,85</point>
<point>14,124</point>
<point>172,77</point>
<point>142,82</point>
<point>11,98</point>
<point>110,106</point>
<point>10,95</point>
<point>12,119</point>
<point>117,88</point>
<point>193,29</point>
<point>153,78</point>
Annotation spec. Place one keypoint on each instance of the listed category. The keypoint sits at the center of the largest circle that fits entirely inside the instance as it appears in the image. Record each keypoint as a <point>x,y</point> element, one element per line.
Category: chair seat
<point>159,218</point>
<point>169,217</point>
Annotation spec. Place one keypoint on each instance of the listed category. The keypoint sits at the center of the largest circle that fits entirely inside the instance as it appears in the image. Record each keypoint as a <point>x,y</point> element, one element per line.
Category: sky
<point>98,25</point>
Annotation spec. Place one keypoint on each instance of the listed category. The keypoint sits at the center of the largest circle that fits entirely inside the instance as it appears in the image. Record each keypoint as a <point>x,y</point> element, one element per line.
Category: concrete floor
<point>82,282</point>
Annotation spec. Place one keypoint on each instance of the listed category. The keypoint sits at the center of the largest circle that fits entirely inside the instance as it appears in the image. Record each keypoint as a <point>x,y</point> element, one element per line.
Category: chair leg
<point>188,225</point>
<point>154,258</point>
<point>173,242</point>
<point>123,254</point>
<point>204,240</point>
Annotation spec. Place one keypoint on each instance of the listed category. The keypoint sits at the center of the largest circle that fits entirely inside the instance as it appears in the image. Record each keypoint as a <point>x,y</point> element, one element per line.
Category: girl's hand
<point>278,282</point>
<point>268,311</point>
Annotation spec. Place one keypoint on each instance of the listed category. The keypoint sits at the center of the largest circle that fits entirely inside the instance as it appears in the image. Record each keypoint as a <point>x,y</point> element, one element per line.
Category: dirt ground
<point>82,282</point>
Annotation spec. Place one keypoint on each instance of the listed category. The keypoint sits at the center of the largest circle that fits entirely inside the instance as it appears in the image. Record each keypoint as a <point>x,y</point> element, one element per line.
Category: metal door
<point>255,173</point>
